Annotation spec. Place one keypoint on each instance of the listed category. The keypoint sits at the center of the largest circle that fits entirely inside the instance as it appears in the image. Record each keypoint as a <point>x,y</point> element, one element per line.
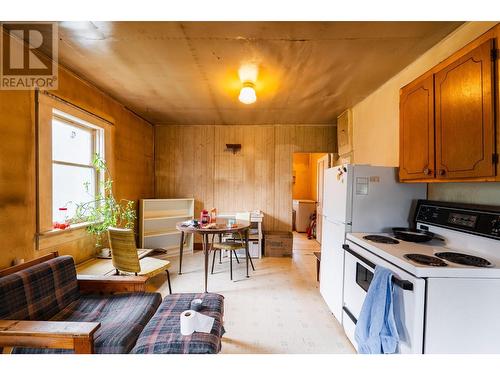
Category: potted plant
<point>105,210</point>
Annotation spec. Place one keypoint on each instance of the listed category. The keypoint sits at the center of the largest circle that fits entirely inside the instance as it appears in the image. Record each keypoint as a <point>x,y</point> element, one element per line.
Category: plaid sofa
<point>162,333</point>
<point>49,291</point>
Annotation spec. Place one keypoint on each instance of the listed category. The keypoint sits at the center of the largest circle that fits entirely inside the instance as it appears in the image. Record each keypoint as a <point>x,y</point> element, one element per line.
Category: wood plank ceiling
<point>187,72</point>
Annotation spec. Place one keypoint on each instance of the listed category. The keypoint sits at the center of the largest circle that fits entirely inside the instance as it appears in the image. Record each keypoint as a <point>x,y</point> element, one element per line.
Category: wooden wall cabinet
<point>416,118</point>
<point>465,136</point>
<point>447,120</point>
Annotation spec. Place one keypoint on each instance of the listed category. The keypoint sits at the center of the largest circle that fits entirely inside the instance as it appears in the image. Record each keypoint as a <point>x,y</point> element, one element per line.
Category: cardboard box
<point>278,244</point>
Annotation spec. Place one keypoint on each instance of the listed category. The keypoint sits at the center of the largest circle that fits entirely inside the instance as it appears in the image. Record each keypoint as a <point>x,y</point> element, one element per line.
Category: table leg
<point>247,251</point>
<point>213,261</point>
<point>231,264</point>
<point>220,251</point>
<point>206,251</point>
<point>251,261</point>
<point>317,270</point>
<point>181,248</point>
<point>215,253</point>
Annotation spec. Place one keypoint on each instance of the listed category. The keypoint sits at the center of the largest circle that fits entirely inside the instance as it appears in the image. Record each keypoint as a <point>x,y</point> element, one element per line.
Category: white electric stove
<point>446,291</point>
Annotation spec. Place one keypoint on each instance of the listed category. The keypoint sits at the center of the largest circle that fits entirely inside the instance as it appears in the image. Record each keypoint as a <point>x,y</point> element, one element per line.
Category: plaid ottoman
<point>162,335</point>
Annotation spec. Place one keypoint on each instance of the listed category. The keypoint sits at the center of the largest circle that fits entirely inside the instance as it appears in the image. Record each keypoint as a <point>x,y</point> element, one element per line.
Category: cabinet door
<point>416,130</point>
<point>465,138</point>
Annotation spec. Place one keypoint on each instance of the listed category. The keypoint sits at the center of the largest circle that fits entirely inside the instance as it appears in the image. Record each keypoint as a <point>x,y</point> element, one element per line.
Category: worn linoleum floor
<point>277,310</point>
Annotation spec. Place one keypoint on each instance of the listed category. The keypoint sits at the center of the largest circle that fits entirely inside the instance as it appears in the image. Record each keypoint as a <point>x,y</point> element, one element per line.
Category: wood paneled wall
<point>191,161</point>
<point>132,164</point>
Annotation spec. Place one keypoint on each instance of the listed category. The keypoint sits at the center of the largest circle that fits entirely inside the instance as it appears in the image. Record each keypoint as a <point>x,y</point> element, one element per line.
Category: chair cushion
<point>122,318</point>
<point>39,292</point>
<point>153,266</point>
<point>162,334</point>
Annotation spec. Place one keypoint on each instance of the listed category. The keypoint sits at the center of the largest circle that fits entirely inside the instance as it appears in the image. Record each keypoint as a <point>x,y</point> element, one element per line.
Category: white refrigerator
<point>359,198</point>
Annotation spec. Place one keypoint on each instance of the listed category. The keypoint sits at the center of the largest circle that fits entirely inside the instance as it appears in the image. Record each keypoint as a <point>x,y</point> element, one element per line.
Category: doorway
<point>307,192</point>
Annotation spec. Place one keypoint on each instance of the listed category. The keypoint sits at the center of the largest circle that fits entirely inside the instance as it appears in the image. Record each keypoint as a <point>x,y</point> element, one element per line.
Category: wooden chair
<point>237,242</point>
<point>125,259</point>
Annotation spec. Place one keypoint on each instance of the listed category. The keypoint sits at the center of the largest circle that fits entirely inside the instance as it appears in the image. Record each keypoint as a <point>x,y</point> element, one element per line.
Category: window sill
<point>71,228</point>
<point>55,237</point>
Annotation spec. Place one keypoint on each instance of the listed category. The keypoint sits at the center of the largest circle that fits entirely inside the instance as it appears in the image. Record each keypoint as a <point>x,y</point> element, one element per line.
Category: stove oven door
<point>409,294</point>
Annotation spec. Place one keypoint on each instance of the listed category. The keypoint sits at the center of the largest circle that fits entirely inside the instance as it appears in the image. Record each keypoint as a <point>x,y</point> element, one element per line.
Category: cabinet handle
<point>442,172</point>
<point>427,171</point>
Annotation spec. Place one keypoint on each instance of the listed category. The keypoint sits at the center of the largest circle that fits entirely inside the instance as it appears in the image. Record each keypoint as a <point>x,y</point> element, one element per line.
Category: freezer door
<point>332,266</point>
<point>337,194</point>
<point>379,201</point>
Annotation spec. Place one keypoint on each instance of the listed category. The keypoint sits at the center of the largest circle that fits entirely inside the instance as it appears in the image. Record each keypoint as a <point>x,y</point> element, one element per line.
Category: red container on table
<point>204,217</point>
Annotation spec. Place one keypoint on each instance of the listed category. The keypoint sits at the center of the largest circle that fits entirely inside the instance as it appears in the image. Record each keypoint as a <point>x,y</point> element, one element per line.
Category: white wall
<point>376,119</point>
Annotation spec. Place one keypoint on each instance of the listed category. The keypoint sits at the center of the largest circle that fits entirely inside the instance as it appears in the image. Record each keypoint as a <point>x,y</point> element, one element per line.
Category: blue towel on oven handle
<point>376,331</point>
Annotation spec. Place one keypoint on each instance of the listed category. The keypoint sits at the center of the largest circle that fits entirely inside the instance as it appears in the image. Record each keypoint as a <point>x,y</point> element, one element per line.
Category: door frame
<point>322,164</point>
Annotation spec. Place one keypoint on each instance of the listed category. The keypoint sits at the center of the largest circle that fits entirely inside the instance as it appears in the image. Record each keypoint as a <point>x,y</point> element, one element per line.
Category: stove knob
<point>495,226</point>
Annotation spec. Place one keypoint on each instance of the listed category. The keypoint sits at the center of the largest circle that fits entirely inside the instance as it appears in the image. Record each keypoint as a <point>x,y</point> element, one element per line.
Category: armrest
<point>110,284</point>
<point>78,336</point>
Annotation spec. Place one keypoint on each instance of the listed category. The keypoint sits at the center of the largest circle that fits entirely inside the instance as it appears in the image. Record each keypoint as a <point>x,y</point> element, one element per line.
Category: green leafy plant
<point>105,210</point>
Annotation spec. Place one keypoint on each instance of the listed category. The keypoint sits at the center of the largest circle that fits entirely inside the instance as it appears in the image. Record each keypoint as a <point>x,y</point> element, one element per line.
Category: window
<point>67,140</point>
<point>74,178</point>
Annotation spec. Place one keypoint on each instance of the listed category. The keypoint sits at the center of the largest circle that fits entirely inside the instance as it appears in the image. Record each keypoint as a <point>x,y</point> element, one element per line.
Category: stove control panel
<point>479,220</point>
<point>465,220</point>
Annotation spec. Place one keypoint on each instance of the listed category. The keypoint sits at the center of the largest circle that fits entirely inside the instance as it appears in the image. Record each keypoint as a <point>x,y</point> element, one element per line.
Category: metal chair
<point>125,258</point>
<point>237,242</point>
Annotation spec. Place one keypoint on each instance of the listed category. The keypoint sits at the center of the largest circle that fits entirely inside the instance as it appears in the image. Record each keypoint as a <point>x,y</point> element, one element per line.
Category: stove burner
<point>426,260</point>
<point>464,259</point>
<point>381,239</point>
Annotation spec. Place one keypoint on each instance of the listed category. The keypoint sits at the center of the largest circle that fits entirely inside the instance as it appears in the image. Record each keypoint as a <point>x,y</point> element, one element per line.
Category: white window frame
<point>97,134</point>
<point>46,106</point>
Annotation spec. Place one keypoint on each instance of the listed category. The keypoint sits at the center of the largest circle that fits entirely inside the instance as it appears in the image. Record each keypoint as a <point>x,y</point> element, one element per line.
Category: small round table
<point>240,227</point>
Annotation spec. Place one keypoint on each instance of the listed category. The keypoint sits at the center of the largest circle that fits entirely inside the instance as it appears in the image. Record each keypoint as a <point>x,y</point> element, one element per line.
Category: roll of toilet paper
<point>192,321</point>
<point>188,322</point>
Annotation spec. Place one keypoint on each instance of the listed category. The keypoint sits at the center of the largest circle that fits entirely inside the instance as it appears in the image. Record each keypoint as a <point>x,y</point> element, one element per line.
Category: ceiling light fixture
<point>247,93</point>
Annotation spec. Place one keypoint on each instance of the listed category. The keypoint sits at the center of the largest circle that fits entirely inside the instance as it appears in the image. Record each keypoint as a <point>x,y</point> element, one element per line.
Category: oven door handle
<point>403,284</point>
<point>350,315</point>
<point>353,253</point>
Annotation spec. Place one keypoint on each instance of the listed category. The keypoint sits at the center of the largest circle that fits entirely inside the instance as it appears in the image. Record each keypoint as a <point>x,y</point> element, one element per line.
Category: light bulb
<point>247,94</point>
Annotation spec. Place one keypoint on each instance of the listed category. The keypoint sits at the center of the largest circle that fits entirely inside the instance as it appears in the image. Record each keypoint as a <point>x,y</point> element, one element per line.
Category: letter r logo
<point>20,42</point>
